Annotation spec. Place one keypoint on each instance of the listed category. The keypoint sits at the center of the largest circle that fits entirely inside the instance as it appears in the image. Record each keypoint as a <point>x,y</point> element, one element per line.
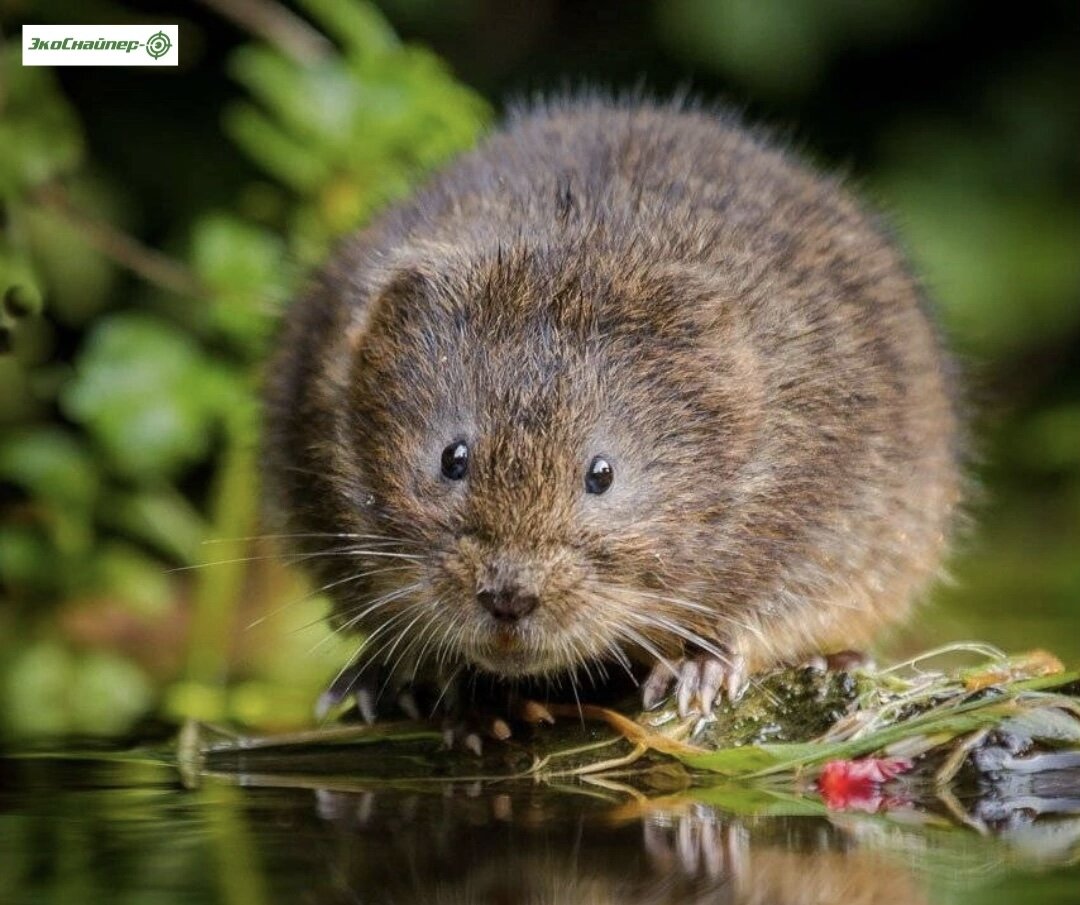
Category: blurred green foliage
<point>164,218</point>
<point>137,391</point>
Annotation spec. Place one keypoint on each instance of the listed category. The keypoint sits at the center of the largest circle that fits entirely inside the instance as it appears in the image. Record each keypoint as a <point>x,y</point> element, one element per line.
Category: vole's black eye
<point>455,461</point>
<point>599,475</point>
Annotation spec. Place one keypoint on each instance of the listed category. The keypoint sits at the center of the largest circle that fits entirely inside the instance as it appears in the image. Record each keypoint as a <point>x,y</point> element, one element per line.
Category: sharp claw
<point>327,702</point>
<point>535,712</point>
<point>468,734</point>
<point>699,682</point>
<point>365,703</point>
<point>712,679</point>
<point>336,694</point>
<point>689,683</point>
<point>407,702</point>
<point>737,679</point>
<point>474,744</point>
<point>656,685</point>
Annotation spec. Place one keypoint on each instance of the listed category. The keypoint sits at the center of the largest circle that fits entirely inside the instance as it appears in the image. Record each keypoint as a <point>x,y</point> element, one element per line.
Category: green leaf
<point>284,157</point>
<point>50,464</point>
<point>26,557</point>
<point>123,571</point>
<point>162,518</point>
<point>360,26</point>
<point>109,694</point>
<point>78,279</point>
<point>245,265</point>
<point>35,693</point>
<point>315,102</point>
<point>40,138</point>
<point>52,691</point>
<point>148,395</point>
<point>352,131</point>
<point>753,759</point>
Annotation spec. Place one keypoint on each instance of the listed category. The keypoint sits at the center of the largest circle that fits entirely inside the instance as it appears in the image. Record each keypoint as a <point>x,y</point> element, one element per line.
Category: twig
<point>276,24</point>
<point>148,263</point>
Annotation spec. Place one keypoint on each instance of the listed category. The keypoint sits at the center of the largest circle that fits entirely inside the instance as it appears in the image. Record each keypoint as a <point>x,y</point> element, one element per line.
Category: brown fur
<point>655,285</point>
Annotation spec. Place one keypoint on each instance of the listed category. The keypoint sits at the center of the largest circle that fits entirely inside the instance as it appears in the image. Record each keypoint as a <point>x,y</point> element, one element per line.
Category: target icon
<point>158,45</point>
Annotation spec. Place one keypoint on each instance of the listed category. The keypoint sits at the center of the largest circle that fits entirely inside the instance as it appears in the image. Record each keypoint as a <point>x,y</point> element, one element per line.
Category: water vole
<point>627,383</point>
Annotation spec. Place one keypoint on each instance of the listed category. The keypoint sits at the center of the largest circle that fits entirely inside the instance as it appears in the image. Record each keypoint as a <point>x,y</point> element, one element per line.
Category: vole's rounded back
<point>626,382</point>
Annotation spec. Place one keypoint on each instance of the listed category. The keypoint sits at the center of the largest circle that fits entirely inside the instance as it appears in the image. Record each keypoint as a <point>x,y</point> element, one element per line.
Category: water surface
<point>107,828</point>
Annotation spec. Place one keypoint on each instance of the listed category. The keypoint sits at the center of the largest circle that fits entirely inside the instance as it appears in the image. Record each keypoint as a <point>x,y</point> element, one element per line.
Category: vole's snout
<point>516,610</point>
<point>507,603</point>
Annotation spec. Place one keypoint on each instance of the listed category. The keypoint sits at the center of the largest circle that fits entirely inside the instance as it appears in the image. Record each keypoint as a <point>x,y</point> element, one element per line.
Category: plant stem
<point>146,262</point>
<point>276,24</point>
<point>219,585</point>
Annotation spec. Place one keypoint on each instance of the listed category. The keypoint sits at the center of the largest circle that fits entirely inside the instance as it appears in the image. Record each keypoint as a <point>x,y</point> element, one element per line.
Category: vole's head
<point>528,457</point>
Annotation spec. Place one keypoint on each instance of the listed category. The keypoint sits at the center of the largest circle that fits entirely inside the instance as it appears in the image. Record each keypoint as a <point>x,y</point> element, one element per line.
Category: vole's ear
<point>394,300</point>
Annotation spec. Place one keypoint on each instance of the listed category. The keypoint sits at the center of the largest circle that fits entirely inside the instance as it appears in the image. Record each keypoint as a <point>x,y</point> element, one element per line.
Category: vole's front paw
<point>698,680</point>
<point>377,693</point>
<point>466,726</point>
<point>465,720</point>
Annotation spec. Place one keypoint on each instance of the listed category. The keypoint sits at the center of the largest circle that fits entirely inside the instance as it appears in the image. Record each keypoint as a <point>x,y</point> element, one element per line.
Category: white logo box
<point>100,45</point>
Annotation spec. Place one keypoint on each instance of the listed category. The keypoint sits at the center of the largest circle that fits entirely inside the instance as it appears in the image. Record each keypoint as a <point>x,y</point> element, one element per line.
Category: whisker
<point>349,663</point>
<point>445,688</point>
<point>294,558</point>
<point>678,601</point>
<point>619,656</point>
<point>299,535</point>
<point>386,627</point>
<point>382,601</point>
<point>646,645</point>
<point>364,551</point>
<point>652,619</point>
<point>358,613</point>
<point>432,631</point>
<point>322,590</point>
<point>444,648</point>
<point>369,640</point>
<point>403,634</point>
<point>425,630</point>
<point>577,700</point>
<point>688,635</point>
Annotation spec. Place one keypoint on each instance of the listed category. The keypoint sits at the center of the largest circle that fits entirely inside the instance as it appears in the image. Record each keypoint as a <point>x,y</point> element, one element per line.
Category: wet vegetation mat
<point>972,743</point>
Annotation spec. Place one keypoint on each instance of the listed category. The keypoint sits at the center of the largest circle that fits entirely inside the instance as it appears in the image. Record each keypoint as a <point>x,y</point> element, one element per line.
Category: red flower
<point>856,785</point>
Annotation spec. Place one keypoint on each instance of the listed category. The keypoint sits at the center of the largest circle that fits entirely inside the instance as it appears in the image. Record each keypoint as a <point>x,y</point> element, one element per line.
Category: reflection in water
<point>90,831</point>
<point>473,846</point>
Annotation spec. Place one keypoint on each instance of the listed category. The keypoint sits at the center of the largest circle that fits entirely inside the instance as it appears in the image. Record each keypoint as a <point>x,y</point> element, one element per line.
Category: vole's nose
<point>508,604</point>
